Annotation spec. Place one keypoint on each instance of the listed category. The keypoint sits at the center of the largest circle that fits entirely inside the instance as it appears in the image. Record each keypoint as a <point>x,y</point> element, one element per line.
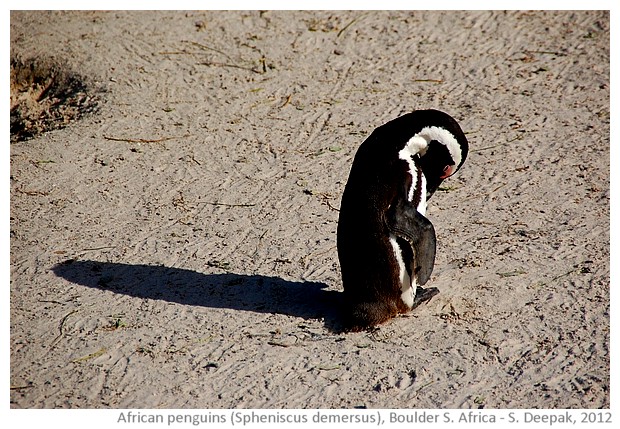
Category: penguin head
<point>437,164</point>
<point>442,145</point>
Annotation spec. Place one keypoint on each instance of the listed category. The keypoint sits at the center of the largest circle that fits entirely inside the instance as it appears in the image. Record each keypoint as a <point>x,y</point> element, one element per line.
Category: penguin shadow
<point>262,294</point>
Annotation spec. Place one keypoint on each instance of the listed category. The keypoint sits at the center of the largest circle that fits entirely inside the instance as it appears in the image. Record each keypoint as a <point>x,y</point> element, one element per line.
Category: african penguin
<point>386,245</point>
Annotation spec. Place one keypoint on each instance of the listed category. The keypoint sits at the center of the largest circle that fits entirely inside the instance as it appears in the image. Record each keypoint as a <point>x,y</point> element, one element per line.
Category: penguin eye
<point>447,171</point>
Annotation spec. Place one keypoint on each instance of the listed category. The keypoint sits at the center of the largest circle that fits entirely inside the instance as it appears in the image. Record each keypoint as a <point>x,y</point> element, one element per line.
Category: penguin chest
<point>407,281</point>
<point>403,251</point>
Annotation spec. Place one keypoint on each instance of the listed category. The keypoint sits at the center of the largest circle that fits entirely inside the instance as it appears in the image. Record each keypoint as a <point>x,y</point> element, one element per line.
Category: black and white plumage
<point>386,245</point>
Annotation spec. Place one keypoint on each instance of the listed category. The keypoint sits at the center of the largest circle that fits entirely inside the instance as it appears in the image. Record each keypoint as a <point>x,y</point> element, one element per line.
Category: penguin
<point>386,246</point>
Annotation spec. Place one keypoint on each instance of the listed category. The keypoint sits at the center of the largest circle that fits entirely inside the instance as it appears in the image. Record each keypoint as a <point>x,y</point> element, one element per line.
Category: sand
<point>176,246</point>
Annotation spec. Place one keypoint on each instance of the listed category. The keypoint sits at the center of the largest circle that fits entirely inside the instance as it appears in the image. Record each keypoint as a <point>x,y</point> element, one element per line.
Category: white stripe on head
<point>419,142</point>
<point>416,145</point>
<point>406,154</point>
<point>422,204</point>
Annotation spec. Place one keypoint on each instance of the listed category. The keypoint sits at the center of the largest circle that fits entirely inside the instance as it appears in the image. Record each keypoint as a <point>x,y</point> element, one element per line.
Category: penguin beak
<point>431,188</point>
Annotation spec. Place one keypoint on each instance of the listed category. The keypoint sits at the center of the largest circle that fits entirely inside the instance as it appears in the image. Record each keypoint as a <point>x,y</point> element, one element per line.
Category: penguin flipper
<point>405,221</point>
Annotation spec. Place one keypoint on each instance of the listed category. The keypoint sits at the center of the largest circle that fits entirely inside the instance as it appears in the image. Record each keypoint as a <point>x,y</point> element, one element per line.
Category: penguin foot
<point>366,315</point>
<point>424,295</point>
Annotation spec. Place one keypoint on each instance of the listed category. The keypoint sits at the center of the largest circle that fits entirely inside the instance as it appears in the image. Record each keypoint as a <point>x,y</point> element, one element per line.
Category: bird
<point>386,246</point>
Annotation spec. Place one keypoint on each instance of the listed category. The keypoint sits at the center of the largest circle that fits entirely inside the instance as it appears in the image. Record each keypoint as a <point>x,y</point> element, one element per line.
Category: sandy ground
<point>177,248</point>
